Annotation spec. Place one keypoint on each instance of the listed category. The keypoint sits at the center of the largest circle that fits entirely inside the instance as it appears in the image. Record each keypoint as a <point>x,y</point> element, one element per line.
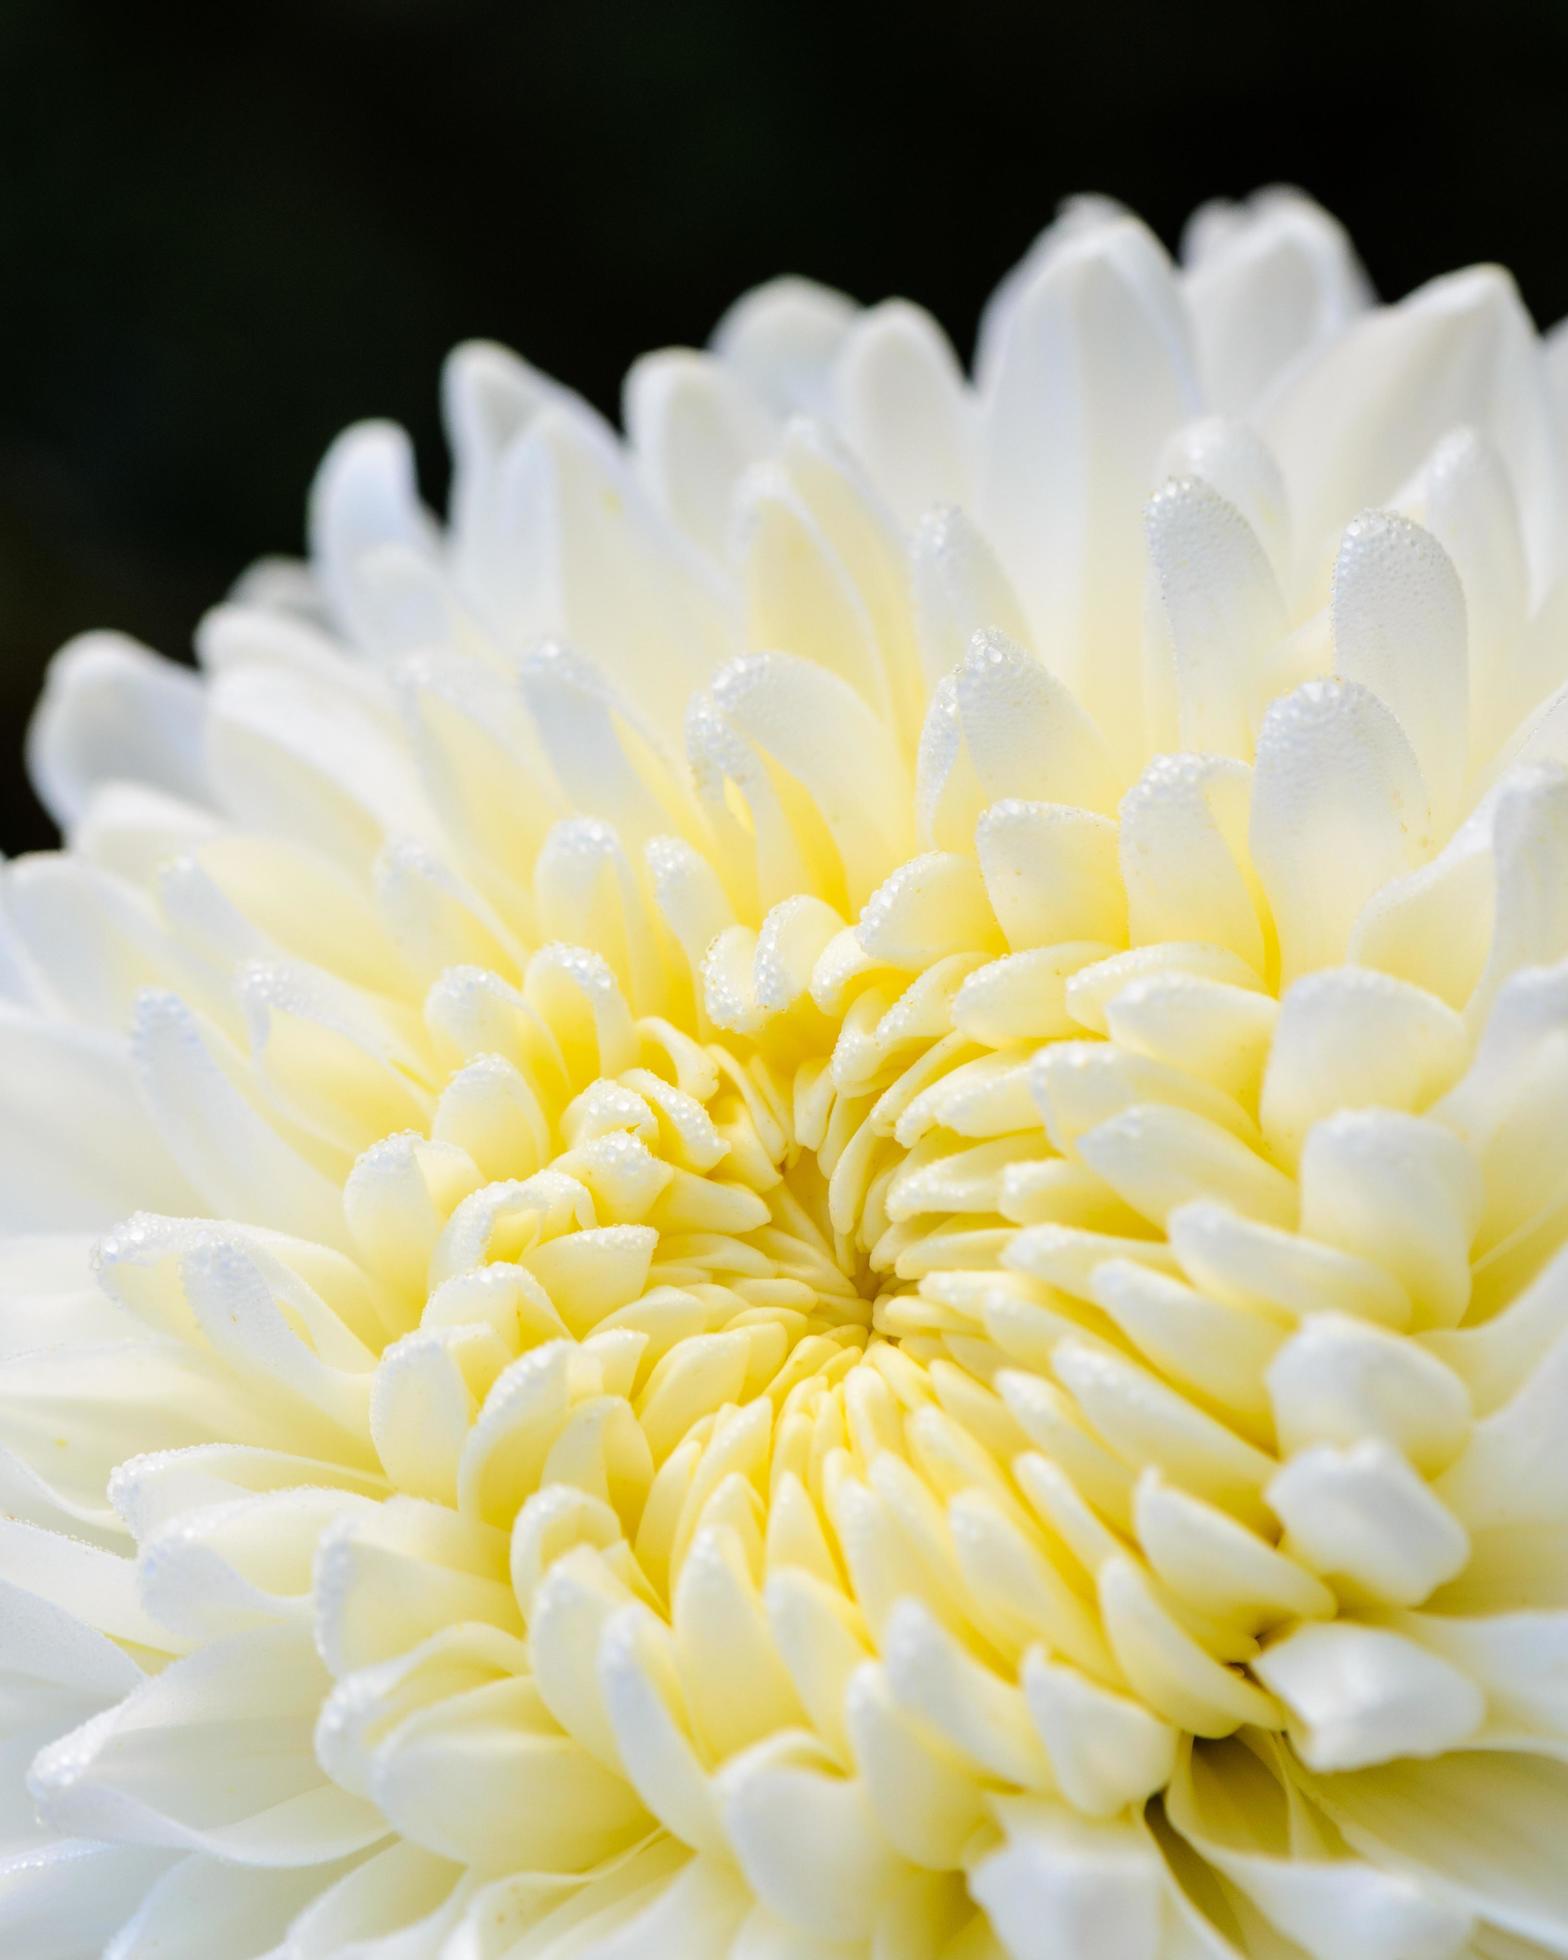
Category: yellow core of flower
<point>831,1410</point>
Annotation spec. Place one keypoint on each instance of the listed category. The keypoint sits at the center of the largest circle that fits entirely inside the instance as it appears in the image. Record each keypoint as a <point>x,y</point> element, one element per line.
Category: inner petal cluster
<point>967,1378</point>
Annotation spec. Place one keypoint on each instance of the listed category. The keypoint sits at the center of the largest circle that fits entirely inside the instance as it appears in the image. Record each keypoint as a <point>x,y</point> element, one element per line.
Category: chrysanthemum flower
<point>805,1194</point>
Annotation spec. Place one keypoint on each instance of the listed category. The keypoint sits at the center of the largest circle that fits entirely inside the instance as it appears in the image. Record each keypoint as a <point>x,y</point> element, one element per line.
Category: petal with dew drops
<point>1345,1037</point>
<point>1233,460</point>
<point>809,724</point>
<point>959,590</point>
<point>1050,873</point>
<point>1338,808</point>
<point>1183,845</point>
<point>1224,610</point>
<point>1340,1380</point>
<point>1004,727</point>
<point>1529,858</point>
<point>1400,630</point>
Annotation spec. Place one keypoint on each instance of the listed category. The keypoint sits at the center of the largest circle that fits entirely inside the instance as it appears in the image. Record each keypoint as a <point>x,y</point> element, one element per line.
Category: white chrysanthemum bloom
<point>806,1194</point>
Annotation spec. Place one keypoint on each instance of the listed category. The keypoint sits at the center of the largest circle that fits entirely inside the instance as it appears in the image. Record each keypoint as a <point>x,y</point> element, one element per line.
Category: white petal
<point>1092,377</point>
<point>488,397</point>
<point>1257,1265</point>
<point>1227,1805</point>
<point>1224,610</point>
<point>695,428</point>
<point>308,763</point>
<point>1076,219</point>
<point>904,408</point>
<point>1065,1888</point>
<point>805,1837</point>
<point>1275,281</point>
<point>1182,840</point>
<point>88,936</point>
<point>1361,1694</point>
<point>394,1896</point>
<point>807,722</point>
<point>1511,1468</point>
<point>1399,629</point>
<point>202,1901</point>
<point>1529,851</point>
<point>65,1901</point>
<point>1486,1827</point>
<point>363,501</point>
<point>487,1777</point>
<point>1359,420</point>
<point>1363,1514</point>
<point>932,906</point>
<point>1338,808</point>
<point>582,556</point>
<point>188,1761</point>
<point>800,594</point>
<point>76,1146</point>
<point>58,1672</point>
<point>1001,726</point>
<point>1347,1038</point>
<point>1051,874</point>
<point>132,830</point>
<point>1341,1381</point>
<point>1468,505</point>
<point>959,590</point>
<point>472,740</point>
<point>1234,461</point>
<point>113,711</point>
<point>782,339</point>
<point>227,1150</point>
<point>1401,1191</point>
<point>1106,1750</point>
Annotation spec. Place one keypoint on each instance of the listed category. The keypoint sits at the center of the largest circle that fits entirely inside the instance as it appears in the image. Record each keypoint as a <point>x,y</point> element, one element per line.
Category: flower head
<point>823,1160</point>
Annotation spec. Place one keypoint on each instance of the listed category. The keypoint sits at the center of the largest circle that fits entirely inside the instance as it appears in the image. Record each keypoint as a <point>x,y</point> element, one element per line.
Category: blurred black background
<point>226,231</point>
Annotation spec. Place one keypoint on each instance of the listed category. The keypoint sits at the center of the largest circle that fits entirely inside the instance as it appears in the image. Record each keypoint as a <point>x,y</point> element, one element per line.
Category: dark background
<point>226,230</point>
